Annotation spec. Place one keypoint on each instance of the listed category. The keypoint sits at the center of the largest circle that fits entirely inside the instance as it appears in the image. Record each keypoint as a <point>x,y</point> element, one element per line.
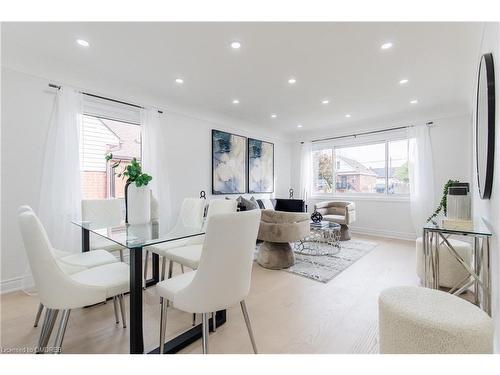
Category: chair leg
<point>43,332</point>
<point>121,255</point>
<point>38,314</point>
<point>194,319</point>
<point>163,267</point>
<point>170,269</point>
<point>182,268</point>
<point>115,306</point>
<point>61,331</point>
<point>214,323</point>
<point>51,320</point>
<point>163,323</point>
<point>122,309</point>
<point>249,326</point>
<point>146,260</point>
<point>205,328</point>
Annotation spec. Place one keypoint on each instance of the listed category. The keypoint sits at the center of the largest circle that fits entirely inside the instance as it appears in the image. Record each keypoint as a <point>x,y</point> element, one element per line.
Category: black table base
<point>136,305</point>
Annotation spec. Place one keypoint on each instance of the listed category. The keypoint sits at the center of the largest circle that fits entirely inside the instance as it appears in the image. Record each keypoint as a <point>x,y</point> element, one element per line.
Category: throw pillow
<point>267,204</point>
<point>247,203</point>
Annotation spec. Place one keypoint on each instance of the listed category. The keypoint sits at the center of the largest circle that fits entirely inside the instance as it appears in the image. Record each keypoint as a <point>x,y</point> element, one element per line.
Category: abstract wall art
<point>260,166</point>
<point>228,163</point>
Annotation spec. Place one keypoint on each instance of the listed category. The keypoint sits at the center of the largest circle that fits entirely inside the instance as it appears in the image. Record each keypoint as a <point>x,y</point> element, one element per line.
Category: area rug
<point>323,268</point>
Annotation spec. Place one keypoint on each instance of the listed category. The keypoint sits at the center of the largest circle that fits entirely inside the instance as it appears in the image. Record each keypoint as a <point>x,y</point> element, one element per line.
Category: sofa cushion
<point>265,204</point>
<point>248,204</point>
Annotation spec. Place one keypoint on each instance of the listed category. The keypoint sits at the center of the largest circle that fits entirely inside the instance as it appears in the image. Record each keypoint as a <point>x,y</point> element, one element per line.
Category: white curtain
<point>155,162</point>
<point>60,189</point>
<point>305,171</point>
<point>421,175</point>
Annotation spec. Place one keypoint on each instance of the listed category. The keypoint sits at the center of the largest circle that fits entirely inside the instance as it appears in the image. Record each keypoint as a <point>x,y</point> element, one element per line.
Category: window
<point>100,136</point>
<point>379,168</point>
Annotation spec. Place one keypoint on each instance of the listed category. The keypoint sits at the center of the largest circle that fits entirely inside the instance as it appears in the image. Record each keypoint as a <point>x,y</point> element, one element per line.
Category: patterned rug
<point>323,268</point>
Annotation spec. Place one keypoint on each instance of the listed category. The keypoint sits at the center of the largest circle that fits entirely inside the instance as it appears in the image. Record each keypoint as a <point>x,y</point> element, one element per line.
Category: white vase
<point>138,204</point>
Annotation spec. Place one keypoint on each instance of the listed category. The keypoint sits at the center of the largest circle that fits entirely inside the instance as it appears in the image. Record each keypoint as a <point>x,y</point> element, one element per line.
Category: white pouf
<point>451,272</point>
<point>415,320</point>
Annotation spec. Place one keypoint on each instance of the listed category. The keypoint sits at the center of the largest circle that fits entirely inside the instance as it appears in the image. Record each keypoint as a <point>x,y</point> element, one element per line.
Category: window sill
<point>384,198</point>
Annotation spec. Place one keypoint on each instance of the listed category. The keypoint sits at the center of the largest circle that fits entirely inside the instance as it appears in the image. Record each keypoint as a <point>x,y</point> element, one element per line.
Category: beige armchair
<point>277,229</point>
<point>343,213</point>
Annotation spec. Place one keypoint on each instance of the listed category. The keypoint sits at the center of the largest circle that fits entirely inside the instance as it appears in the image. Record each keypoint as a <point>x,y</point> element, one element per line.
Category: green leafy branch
<point>133,171</point>
<point>443,205</point>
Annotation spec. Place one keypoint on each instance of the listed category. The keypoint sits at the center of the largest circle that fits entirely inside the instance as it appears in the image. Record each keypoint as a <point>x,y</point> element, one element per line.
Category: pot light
<point>274,115</point>
<point>292,81</point>
<point>83,42</point>
<point>414,101</point>
<point>403,81</point>
<point>325,101</point>
<point>235,45</point>
<point>180,81</point>
<point>348,115</point>
<point>299,125</point>
<point>386,45</point>
<point>236,101</point>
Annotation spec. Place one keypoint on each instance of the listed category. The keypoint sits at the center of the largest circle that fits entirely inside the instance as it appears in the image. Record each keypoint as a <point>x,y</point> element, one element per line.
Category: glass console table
<point>436,234</point>
<point>135,238</point>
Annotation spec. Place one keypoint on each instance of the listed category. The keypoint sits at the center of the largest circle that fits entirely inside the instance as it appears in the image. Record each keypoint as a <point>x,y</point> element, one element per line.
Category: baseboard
<point>384,233</point>
<point>11,285</point>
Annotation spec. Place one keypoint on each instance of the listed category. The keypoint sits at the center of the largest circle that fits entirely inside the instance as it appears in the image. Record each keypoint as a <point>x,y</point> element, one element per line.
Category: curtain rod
<point>103,97</point>
<point>430,123</point>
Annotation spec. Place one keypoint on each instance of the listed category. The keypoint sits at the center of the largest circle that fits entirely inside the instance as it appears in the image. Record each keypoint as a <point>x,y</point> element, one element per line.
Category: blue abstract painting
<point>260,166</point>
<point>228,163</point>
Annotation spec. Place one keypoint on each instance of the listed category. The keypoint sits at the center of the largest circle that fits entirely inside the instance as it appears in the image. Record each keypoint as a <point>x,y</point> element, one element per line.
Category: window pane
<point>398,167</point>
<point>360,169</point>
<point>98,138</point>
<point>322,172</point>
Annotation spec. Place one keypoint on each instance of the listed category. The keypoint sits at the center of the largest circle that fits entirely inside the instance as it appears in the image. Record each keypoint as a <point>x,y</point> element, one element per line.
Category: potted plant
<point>137,194</point>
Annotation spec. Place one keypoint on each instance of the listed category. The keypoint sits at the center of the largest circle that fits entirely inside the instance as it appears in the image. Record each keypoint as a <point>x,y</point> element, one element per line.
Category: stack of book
<point>319,225</point>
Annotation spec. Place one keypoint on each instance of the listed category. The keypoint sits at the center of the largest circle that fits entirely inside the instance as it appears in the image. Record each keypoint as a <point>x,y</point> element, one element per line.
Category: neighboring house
<point>99,137</point>
<point>352,176</point>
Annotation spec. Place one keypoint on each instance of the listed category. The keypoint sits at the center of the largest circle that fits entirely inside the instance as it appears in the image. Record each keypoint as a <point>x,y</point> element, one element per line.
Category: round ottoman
<point>451,272</point>
<point>421,320</point>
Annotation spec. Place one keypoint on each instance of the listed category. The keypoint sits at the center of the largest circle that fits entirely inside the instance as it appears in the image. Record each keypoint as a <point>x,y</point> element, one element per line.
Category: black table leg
<point>85,240</point>
<point>136,334</point>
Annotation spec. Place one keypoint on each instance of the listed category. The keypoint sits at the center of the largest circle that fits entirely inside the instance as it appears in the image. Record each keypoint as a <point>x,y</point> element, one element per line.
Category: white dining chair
<point>223,275</point>
<point>74,262</point>
<point>190,220</point>
<point>189,254</point>
<point>103,213</point>
<point>59,291</point>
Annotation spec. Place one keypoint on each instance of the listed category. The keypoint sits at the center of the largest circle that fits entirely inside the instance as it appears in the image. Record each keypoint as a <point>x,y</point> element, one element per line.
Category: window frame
<point>110,185</point>
<point>361,196</point>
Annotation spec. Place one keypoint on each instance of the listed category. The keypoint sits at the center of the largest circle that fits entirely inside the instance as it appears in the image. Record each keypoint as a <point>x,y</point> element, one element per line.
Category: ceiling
<point>341,62</point>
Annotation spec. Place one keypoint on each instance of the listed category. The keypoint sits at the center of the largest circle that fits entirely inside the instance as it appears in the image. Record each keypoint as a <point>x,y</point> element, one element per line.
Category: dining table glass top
<point>140,235</point>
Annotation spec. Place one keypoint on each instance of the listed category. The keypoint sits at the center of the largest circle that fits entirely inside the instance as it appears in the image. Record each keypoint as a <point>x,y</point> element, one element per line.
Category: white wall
<point>26,108</point>
<point>490,209</point>
<point>451,145</point>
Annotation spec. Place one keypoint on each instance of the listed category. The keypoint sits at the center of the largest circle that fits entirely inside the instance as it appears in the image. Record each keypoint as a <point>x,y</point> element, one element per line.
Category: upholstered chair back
<point>224,273</point>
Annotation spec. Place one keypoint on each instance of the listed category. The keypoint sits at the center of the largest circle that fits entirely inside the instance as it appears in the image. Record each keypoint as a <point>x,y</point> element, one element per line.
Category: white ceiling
<point>339,61</point>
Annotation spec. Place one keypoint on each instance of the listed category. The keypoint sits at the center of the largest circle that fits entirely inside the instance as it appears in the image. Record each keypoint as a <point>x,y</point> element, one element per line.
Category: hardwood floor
<point>289,313</point>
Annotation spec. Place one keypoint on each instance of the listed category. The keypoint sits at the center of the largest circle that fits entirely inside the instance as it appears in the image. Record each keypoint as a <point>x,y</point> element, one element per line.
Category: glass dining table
<point>136,238</point>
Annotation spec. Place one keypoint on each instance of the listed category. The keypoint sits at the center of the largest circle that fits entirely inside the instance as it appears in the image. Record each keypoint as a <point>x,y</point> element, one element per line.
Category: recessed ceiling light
<point>386,45</point>
<point>414,101</point>
<point>235,45</point>
<point>274,115</point>
<point>299,125</point>
<point>292,81</point>
<point>325,101</point>
<point>403,81</point>
<point>179,81</point>
<point>236,101</point>
<point>348,115</point>
<point>83,42</point>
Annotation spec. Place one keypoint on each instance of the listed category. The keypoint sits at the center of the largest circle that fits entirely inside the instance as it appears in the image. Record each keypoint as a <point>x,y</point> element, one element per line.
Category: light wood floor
<point>289,313</point>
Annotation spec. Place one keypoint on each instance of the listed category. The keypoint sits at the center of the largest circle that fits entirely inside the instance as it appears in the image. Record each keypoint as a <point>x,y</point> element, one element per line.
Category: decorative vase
<point>138,204</point>
<point>316,217</point>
